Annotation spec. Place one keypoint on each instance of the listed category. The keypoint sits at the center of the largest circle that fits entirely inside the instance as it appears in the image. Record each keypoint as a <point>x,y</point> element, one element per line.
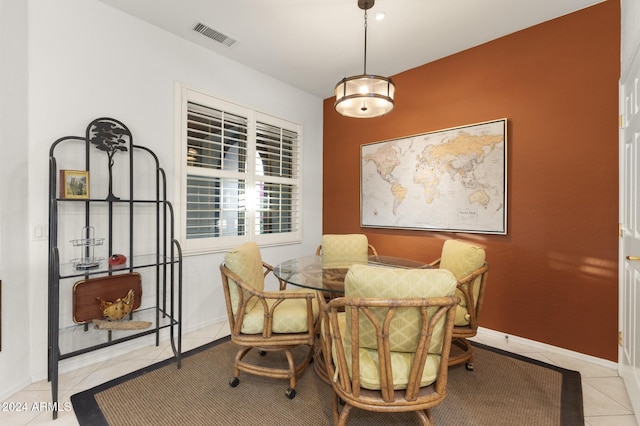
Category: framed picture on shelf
<point>74,184</point>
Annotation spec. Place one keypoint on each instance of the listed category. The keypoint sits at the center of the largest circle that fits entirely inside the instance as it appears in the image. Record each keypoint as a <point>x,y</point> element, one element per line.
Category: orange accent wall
<point>553,277</point>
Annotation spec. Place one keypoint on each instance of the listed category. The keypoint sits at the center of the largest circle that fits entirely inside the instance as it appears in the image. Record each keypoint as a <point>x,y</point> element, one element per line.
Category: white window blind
<point>276,168</point>
<point>240,176</point>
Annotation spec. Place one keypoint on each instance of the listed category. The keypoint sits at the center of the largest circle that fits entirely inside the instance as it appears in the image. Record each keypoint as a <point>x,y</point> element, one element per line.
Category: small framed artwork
<point>74,184</point>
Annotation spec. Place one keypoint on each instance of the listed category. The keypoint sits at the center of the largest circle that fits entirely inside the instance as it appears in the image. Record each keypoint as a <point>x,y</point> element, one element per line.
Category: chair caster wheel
<point>469,366</point>
<point>262,353</point>
<point>291,393</point>
<point>234,382</point>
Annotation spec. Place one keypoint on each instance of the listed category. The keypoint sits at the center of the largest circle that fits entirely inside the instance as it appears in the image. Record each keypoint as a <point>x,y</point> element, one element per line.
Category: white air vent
<point>214,35</point>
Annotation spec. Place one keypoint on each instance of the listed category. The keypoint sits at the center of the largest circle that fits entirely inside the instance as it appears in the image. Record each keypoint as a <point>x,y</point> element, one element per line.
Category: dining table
<point>326,275</point>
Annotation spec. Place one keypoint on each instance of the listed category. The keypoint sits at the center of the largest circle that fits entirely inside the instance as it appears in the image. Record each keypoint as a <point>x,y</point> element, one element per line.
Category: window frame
<point>184,95</point>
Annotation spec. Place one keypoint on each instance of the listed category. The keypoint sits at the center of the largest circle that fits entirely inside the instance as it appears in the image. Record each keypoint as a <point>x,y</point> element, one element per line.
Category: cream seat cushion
<point>462,259</point>
<point>289,317</point>
<point>388,283</point>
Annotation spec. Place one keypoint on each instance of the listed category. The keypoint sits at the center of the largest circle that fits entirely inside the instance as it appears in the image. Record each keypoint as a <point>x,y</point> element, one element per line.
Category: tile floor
<point>605,399</point>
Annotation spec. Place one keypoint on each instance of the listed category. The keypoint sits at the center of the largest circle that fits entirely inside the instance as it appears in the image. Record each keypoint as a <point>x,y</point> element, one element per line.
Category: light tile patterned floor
<point>605,400</point>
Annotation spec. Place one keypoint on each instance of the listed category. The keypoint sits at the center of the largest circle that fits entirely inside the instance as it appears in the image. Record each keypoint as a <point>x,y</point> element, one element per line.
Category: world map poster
<point>447,180</point>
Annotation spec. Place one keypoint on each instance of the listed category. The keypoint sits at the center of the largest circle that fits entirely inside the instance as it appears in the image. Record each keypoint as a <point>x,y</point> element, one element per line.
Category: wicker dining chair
<point>268,321</point>
<point>345,247</point>
<point>340,251</point>
<point>467,263</point>
<point>386,342</point>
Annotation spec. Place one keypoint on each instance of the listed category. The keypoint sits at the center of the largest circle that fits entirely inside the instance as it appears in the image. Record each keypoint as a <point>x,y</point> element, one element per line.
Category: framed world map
<point>448,180</point>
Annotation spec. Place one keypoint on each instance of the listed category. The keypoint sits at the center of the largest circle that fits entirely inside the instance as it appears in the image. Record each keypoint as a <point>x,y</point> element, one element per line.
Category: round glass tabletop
<point>316,273</point>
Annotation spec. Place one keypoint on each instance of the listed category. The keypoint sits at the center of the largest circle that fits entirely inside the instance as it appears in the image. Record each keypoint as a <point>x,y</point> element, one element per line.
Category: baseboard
<point>549,348</point>
<point>123,348</point>
<point>119,349</point>
<point>5,394</point>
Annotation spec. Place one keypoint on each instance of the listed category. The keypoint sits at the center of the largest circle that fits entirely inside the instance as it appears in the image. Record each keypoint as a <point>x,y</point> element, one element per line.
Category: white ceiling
<point>312,44</point>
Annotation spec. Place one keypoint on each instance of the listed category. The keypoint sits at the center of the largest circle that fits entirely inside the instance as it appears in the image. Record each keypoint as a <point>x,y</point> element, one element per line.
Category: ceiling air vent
<point>214,35</point>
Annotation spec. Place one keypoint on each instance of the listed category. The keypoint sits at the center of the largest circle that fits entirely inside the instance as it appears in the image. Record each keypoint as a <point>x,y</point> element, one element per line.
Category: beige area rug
<point>504,389</point>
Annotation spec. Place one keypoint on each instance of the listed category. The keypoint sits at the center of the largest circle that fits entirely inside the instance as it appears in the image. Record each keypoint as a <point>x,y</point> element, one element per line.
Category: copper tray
<point>86,306</point>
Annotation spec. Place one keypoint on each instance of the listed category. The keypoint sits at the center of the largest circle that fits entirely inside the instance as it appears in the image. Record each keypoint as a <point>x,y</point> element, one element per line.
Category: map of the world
<point>448,180</point>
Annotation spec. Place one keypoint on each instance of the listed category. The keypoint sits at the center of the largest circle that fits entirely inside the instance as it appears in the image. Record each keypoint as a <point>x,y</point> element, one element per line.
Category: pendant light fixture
<point>365,95</point>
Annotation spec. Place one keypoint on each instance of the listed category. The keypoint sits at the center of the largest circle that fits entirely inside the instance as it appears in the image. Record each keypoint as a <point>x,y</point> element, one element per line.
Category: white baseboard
<point>5,394</point>
<point>482,332</point>
<point>126,347</point>
<point>119,349</point>
<point>123,348</point>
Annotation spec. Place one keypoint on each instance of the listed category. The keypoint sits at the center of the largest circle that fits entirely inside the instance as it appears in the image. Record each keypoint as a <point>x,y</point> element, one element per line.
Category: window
<point>239,175</point>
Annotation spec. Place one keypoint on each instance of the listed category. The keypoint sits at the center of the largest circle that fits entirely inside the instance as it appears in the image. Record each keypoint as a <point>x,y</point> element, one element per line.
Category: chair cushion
<point>289,317</point>
<point>400,361</point>
<point>462,259</point>
<point>393,283</point>
<point>246,262</point>
<point>338,249</point>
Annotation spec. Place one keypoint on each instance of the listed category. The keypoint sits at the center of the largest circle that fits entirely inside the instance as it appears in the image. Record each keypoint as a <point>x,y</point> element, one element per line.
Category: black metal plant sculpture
<point>111,137</point>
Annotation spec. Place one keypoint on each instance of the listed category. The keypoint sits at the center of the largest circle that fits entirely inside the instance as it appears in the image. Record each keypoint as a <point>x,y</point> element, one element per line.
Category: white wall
<point>14,238</point>
<point>630,14</point>
<point>88,60</point>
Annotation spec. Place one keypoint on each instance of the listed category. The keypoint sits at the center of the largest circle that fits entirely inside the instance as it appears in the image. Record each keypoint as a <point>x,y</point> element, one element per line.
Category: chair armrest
<point>435,264</point>
<point>275,295</point>
<point>268,269</point>
<point>472,276</point>
<point>247,293</point>
<point>467,286</point>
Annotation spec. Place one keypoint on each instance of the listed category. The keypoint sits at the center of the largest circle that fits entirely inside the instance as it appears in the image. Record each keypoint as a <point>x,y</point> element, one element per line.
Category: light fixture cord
<point>365,42</point>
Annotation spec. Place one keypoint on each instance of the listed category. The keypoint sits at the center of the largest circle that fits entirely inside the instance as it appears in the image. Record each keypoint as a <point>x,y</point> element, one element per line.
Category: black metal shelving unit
<point>107,140</point>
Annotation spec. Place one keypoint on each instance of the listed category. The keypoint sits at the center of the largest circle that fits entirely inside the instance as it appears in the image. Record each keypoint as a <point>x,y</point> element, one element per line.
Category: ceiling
<point>312,44</point>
